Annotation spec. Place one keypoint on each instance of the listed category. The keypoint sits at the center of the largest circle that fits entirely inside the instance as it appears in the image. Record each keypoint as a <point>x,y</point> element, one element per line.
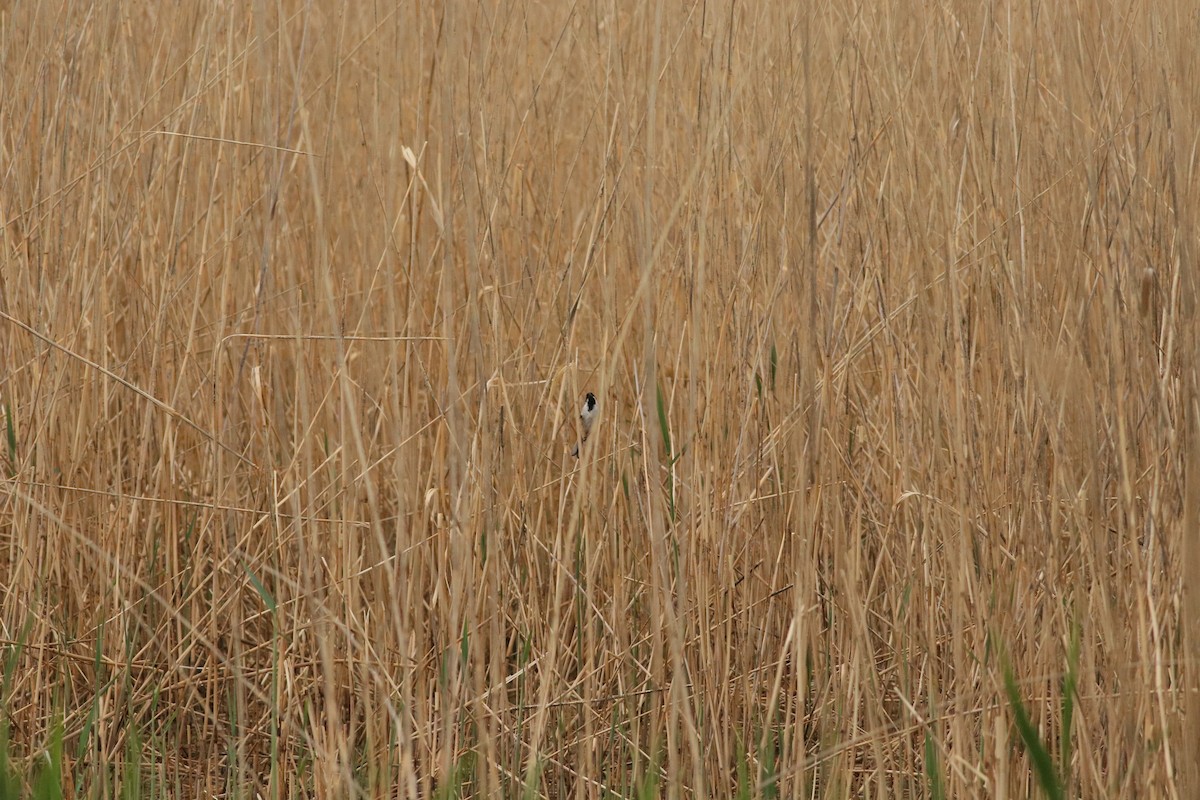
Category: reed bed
<point>889,309</point>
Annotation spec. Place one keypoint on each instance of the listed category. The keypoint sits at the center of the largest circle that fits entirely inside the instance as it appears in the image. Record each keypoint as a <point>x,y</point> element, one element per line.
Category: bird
<point>586,417</point>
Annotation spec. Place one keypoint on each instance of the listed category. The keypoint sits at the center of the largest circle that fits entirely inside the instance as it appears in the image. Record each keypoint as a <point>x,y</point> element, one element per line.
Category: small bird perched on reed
<point>586,417</point>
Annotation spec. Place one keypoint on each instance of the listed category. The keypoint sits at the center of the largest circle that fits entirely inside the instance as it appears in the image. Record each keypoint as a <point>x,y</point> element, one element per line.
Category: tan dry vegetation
<point>299,302</point>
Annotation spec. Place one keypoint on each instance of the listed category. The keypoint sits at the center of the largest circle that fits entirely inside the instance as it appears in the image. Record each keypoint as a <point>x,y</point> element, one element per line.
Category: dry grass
<point>299,304</point>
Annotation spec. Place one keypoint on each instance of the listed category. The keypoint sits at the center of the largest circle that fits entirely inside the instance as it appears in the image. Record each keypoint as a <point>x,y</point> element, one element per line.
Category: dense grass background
<point>889,308</point>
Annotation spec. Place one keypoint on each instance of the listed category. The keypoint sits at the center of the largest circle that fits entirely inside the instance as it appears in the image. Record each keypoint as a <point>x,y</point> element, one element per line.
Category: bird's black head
<point>590,403</point>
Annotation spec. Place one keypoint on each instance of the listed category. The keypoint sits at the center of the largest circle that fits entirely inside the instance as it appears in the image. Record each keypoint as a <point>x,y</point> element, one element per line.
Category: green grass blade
<point>532,779</point>
<point>769,773</point>
<point>774,365</point>
<point>267,598</point>
<point>1068,700</point>
<point>648,785</point>
<point>933,770</point>
<point>48,784</point>
<point>744,785</point>
<point>665,427</point>
<point>662,422</point>
<point>1043,764</point>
